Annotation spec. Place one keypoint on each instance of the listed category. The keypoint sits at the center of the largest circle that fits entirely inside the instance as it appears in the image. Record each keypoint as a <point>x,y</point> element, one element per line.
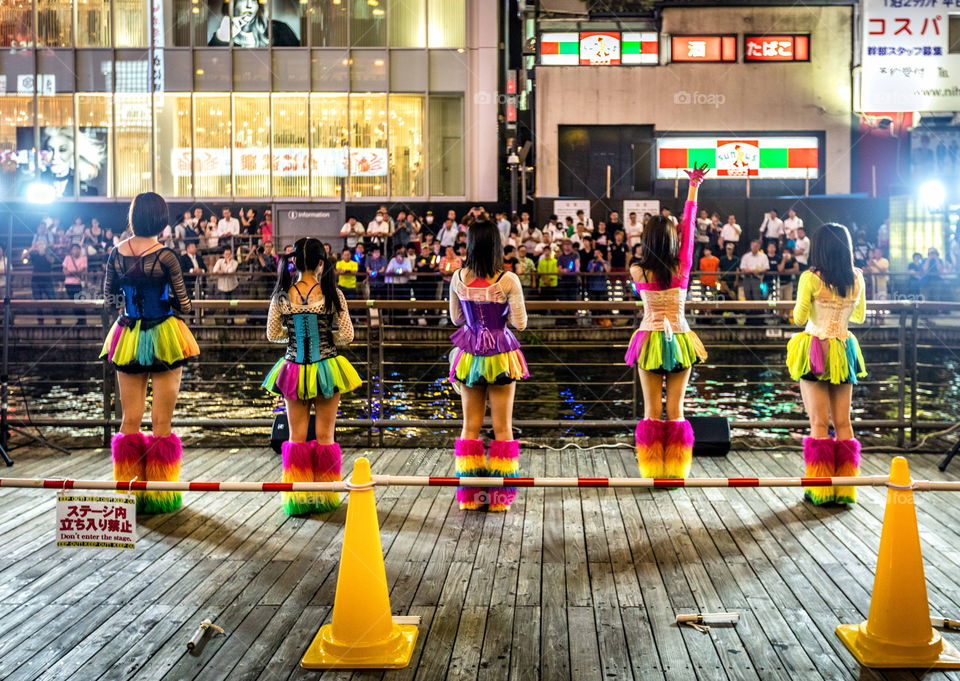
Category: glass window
<point>331,70</point>
<point>54,23</point>
<point>329,135</point>
<point>446,23</point>
<point>131,22</point>
<point>212,70</point>
<point>368,23</point>
<point>177,70</point>
<point>56,71</point>
<point>64,159</point>
<point>408,23</point>
<point>18,67</point>
<point>291,146</point>
<point>328,23</point>
<point>132,71</point>
<point>131,139</point>
<point>368,145</point>
<point>408,70</point>
<point>94,158</point>
<point>368,70</point>
<point>406,145</point>
<point>16,23</point>
<point>446,145</point>
<point>211,145</point>
<point>93,23</point>
<point>185,22</point>
<point>287,26</point>
<point>251,70</point>
<point>94,70</point>
<point>16,140</point>
<point>448,71</point>
<point>291,70</point>
<point>251,145</point>
<point>173,118</point>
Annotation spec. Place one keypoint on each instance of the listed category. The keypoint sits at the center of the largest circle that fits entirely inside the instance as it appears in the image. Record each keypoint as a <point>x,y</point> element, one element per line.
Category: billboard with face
<point>70,162</point>
<point>253,23</point>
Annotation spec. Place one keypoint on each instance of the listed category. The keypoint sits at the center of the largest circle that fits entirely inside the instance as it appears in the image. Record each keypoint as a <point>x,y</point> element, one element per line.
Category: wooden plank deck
<point>571,584</point>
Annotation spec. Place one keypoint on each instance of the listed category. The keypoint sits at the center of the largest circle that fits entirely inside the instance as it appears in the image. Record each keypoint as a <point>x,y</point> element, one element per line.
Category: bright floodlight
<point>933,193</point>
<point>41,192</point>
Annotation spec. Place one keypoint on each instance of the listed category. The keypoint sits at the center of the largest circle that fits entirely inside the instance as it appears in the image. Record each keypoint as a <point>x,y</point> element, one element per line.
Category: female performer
<point>311,317</point>
<point>825,357</point>
<point>147,341</point>
<point>485,364</point>
<point>664,347</point>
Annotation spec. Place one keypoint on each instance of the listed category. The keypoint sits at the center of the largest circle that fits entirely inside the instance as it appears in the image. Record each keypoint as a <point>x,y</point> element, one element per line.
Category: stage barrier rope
<point>452,481</point>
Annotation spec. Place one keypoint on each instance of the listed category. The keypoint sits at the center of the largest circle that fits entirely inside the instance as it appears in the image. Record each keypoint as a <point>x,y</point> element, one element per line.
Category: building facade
<point>263,100</point>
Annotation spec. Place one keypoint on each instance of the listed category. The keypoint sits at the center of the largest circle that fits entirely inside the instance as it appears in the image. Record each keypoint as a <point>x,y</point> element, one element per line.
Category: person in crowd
<point>531,237</point>
<point>327,250</point>
<point>448,233</point>
<point>878,267</point>
<point>617,252</point>
<point>772,229</point>
<point>790,226</point>
<point>771,278</point>
<point>309,313</point>
<point>789,270</point>
<point>42,261</point>
<point>378,230</point>
<point>525,268</point>
<point>709,265</point>
<point>262,264</point>
<point>826,359</point>
<point>713,232</point>
<point>228,226</point>
<point>702,236</point>
<point>375,266</point>
<point>915,268</point>
<point>553,227</point>
<point>596,287</point>
<point>861,249</point>
<point>569,228</point>
<point>346,268</point>
<point>801,248</point>
<point>509,258</point>
<point>600,235</point>
<point>634,229</point>
<point>398,275</point>
<point>667,215</point>
<point>352,232</point>
<point>614,225</point>
<point>504,227</point>
<point>730,232</point>
<point>226,267</point>
<point>586,253</point>
<point>74,233</point>
<point>248,222</point>
<point>568,267</point>
<point>933,270</point>
<point>192,266</point>
<point>485,365</point>
<point>75,271</point>
<point>266,227</point>
<point>753,267</point>
<point>403,233</point>
<point>430,224</point>
<point>426,283</point>
<point>148,344</point>
<point>585,219</point>
<point>664,348</point>
<point>547,269</point>
<point>449,263</point>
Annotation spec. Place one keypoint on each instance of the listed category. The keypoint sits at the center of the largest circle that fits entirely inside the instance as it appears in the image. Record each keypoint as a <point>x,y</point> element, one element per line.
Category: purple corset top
<point>485,330</point>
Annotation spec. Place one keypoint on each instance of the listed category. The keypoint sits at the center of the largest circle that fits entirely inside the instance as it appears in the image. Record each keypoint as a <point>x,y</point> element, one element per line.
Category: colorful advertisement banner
<point>297,162</point>
<point>765,158</point>
<point>599,48</point>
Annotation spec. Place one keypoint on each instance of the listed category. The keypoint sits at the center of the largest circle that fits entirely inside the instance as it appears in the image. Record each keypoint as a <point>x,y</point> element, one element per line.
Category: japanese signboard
<point>765,48</point>
<point>740,157</point>
<point>598,48</point>
<point>908,63</point>
<point>563,208</point>
<point>298,162</point>
<point>99,521</point>
<point>703,48</point>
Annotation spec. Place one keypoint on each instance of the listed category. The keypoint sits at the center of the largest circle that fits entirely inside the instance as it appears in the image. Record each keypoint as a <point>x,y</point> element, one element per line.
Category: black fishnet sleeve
<point>171,267</point>
<point>111,286</point>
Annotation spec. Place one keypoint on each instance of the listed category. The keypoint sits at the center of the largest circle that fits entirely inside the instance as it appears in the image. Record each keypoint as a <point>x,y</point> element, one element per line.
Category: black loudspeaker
<point>281,431</point>
<point>711,435</point>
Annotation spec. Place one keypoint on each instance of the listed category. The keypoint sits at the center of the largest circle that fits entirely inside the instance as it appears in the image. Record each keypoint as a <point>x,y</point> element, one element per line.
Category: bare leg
<point>298,416</point>
<point>816,400</point>
<point>474,402</point>
<point>326,418</point>
<point>133,399</point>
<point>840,397</point>
<point>166,388</point>
<point>676,387</point>
<point>652,385</point>
<point>501,410</point>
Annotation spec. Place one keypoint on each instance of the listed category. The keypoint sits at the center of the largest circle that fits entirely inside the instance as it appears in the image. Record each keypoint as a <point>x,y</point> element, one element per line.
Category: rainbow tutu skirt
<point>309,381</point>
<point>825,359</point>
<point>655,351</point>
<point>498,369</point>
<point>142,346</point>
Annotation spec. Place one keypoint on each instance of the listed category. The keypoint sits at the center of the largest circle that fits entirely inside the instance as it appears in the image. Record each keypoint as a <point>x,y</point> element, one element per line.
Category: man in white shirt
<point>801,249</point>
<point>352,231</point>
<point>772,229</point>
<point>753,265</point>
<point>791,225</point>
<point>379,228</point>
<point>730,232</point>
<point>552,227</point>
<point>448,233</point>
<point>504,226</point>
<point>587,221</point>
<point>634,229</point>
<point>226,265</point>
<point>227,226</point>
<point>670,217</point>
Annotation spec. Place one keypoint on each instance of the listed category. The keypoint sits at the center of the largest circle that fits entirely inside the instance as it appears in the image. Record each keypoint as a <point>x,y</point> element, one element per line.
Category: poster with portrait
<point>253,23</point>
<point>70,161</point>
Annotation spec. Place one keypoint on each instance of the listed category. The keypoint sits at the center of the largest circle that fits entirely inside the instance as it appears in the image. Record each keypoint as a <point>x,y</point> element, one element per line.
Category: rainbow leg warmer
<point>677,449</point>
<point>504,461</point>
<point>129,459</point>
<point>297,459</point>
<point>649,438</point>
<point>847,463</point>
<point>471,461</point>
<point>164,457</point>
<point>818,456</point>
<point>327,460</point>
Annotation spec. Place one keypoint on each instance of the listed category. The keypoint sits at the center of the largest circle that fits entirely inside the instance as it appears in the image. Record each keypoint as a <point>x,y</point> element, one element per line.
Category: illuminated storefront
<point>284,99</point>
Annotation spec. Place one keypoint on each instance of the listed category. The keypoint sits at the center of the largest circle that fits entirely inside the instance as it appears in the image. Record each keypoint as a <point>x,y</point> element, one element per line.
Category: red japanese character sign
<point>101,521</point>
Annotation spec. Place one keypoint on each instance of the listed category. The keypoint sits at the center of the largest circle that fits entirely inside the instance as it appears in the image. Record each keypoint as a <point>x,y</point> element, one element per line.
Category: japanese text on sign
<point>102,521</point>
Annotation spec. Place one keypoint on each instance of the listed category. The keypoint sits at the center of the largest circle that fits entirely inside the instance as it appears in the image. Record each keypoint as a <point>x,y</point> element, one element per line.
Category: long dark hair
<point>831,256</point>
<point>661,249</point>
<point>307,255</point>
<point>148,215</point>
<point>484,252</point>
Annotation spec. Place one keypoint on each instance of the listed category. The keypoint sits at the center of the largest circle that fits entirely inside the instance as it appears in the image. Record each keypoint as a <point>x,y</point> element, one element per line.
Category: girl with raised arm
<point>485,364</point>
<point>147,343</point>
<point>309,313</point>
<point>825,357</point>
<point>664,348</point>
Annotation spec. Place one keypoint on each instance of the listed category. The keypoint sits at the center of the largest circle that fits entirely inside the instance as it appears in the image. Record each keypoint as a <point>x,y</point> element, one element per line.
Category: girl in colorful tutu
<point>825,357</point>
<point>485,364</point>
<point>664,348</point>
<point>309,313</point>
<point>148,341</point>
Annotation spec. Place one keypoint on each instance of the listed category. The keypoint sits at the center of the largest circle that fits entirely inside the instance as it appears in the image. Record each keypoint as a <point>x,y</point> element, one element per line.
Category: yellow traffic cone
<point>362,634</point>
<point>897,632</point>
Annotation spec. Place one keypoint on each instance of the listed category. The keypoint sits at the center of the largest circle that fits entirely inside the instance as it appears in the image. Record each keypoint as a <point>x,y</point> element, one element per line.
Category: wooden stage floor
<point>570,584</point>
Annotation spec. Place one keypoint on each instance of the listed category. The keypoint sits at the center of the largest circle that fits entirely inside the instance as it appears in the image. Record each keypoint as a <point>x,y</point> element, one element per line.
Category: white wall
<point>756,97</point>
<point>480,100</point>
